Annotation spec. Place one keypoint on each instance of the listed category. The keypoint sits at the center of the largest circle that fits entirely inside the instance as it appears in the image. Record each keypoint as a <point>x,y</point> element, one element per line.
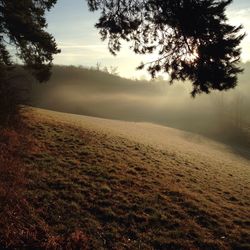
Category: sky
<point>72,25</point>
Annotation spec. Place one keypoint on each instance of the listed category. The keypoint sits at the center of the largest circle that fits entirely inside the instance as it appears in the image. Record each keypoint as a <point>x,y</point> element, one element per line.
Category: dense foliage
<point>22,31</point>
<point>192,38</point>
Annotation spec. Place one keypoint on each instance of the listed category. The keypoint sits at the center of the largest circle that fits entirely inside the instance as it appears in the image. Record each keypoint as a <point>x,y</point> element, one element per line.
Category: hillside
<point>93,183</point>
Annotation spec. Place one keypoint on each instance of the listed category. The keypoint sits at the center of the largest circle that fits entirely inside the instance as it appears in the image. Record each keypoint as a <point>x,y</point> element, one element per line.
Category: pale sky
<point>72,25</point>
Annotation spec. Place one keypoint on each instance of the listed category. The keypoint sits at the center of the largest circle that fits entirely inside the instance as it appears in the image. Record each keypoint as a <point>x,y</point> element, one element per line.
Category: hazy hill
<point>222,116</point>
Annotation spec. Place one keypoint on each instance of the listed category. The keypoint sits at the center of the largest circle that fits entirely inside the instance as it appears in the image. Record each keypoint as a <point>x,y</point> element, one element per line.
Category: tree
<point>22,32</point>
<point>192,38</point>
<point>22,25</point>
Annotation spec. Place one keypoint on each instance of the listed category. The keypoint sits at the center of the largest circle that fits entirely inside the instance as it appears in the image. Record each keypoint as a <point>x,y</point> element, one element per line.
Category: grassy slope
<point>122,189</point>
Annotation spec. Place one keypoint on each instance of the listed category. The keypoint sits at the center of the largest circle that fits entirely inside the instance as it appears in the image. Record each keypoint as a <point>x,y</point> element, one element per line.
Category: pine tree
<point>192,38</point>
<point>22,28</point>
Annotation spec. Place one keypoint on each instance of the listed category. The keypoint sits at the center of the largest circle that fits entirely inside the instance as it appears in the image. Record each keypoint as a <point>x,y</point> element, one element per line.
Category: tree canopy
<point>22,32</point>
<point>192,38</point>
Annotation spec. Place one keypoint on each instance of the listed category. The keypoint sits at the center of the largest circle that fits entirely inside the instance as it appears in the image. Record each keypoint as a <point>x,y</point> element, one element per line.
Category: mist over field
<point>220,115</point>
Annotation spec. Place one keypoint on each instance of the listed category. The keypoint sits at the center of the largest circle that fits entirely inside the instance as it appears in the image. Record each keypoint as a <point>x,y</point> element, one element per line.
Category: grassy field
<point>84,187</point>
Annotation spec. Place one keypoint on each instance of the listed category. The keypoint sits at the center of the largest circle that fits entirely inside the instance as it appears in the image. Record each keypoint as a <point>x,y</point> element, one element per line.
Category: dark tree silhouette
<point>22,25</point>
<point>22,33</point>
<point>192,38</point>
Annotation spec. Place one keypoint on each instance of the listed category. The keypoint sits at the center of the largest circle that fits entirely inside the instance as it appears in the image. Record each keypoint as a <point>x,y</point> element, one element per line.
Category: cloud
<point>80,46</point>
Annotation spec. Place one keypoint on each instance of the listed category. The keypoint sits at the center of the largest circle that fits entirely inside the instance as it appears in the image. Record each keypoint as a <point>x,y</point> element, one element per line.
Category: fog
<point>223,116</point>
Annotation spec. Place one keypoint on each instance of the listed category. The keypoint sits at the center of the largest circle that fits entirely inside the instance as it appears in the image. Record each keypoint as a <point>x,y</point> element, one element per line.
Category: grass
<point>85,190</point>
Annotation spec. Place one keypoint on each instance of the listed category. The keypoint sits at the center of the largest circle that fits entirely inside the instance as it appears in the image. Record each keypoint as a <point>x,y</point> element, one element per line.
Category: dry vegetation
<point>86,188</point>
